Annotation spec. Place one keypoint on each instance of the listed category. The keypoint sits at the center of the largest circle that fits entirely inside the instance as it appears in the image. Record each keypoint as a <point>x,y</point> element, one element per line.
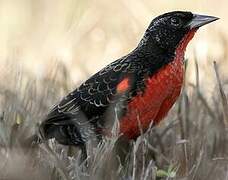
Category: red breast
<point>162,90</point>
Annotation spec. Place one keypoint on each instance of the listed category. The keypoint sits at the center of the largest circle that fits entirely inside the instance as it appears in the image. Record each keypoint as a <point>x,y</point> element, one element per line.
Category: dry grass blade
<point>187,139</point>
<point>223,95</point>
<point>60,167</point>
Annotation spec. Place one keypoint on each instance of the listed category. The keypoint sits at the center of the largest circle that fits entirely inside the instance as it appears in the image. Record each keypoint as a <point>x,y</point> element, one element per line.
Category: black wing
<point>91,99</point>
<point>97,92</point>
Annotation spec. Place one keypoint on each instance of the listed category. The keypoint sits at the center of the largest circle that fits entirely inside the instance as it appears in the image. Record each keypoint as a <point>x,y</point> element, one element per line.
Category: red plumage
<point>162,91</point>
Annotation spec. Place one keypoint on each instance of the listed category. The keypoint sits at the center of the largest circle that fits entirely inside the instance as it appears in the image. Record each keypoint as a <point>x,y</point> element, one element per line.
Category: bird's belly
<point>162,90</point>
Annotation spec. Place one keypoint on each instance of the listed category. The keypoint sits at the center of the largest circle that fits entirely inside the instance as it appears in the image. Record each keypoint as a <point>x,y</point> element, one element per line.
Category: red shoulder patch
<point>123,86</point>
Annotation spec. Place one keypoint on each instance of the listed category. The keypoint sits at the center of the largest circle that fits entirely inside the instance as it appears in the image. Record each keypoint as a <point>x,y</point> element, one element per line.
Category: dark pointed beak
<point>201,20</point>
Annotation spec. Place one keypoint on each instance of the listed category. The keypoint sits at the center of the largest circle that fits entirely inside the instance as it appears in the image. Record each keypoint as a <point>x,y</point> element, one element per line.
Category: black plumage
<point>81,115</point>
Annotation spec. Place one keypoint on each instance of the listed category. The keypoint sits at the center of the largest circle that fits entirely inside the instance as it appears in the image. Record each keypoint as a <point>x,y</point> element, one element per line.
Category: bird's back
<point>101,99</point>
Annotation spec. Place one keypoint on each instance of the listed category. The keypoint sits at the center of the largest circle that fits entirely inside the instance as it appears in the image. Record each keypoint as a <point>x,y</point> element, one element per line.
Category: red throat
<point>184,42</point>
<point>162,90</point>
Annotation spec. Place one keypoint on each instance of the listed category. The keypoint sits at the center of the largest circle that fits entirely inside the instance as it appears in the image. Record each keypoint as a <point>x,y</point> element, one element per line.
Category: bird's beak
<point>200,20</point>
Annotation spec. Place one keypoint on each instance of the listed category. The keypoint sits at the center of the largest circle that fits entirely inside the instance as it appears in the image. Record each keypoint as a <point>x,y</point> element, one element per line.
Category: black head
<point>167,30</point>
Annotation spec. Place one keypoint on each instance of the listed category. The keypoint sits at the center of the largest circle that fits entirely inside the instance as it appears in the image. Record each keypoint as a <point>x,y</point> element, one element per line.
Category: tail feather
<point>67,129</point>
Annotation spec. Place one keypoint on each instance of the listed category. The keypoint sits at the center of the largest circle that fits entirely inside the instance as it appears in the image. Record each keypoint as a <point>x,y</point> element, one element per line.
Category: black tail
<point>68,129</point>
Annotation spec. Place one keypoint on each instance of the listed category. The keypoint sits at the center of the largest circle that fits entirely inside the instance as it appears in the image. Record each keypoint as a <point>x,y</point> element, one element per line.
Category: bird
<point>136,91</point>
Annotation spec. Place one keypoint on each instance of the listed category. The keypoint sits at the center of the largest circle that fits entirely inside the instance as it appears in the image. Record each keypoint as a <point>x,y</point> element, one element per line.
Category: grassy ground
<point>191,143</point>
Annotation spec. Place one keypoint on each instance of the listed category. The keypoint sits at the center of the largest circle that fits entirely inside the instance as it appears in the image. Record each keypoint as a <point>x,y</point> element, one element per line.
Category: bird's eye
<point>174,21</point>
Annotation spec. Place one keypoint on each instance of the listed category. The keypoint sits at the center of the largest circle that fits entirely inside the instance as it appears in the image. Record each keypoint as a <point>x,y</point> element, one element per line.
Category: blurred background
<point>48,47</point>
<point>86,35</point>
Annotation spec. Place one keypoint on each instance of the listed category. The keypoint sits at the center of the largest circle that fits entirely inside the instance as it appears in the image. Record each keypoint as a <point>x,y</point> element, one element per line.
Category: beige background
<point>88,34</point>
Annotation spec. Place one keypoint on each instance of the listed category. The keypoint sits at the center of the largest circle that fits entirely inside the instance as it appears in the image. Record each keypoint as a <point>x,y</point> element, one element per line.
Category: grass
<point>191,143</point>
